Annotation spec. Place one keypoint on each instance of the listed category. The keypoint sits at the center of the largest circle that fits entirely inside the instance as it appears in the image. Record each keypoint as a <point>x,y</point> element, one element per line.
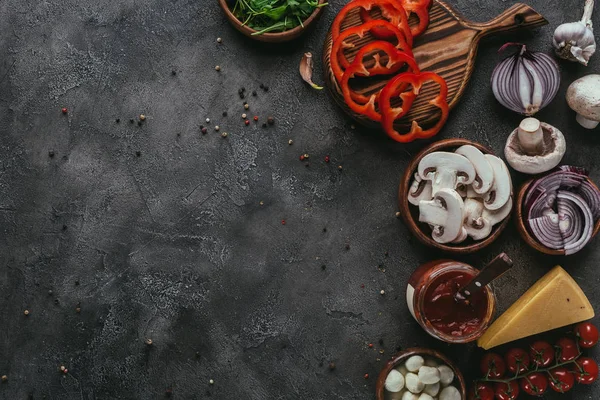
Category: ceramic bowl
<point>276,37</point>
<point>410,213</point>
<point>459,380</point>
<point>524,232</point>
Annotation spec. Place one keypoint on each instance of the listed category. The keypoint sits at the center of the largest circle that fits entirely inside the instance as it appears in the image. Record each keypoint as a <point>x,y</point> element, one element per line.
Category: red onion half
<point>527,81</point>
<point>561,209</point>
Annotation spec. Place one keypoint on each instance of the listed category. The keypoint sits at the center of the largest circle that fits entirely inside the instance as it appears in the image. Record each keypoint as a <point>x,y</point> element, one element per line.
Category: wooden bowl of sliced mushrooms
<point>456,196</point>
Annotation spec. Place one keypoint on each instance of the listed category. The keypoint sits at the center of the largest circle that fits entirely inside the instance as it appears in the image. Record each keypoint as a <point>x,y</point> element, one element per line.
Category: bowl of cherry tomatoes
<point>540,369</point>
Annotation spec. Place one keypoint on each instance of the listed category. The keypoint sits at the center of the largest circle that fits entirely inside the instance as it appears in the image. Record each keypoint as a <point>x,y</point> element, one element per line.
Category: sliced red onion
<point>527,81</point>
<point>571,168</point>
<point>546,230</point>
<point>591,195</point>
<point>571,203</point>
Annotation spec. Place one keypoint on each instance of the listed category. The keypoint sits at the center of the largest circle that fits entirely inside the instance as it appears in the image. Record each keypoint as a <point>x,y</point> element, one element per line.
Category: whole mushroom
<point>583,96</point>
<point>534,147</point>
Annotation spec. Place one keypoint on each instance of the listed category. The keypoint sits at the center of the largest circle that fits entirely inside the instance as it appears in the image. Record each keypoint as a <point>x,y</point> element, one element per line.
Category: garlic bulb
<point>574,41</point>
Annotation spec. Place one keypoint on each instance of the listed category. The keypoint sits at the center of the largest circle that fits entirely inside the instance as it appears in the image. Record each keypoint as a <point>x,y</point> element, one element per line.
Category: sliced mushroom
<point>462,236</point>
<point>445,213</point>
<point>476,226</point>
<point>419,190</point>
<point>501,190</point>
<point>499,215</point>
<point>534,147</point>
<point>583,97</point>
<point>484,173</point>
<point>446,170</point>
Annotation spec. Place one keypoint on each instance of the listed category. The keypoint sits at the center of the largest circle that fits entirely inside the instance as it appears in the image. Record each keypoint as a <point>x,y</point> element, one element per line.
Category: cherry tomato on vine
<point>508,391</point>
<point>566,350</point>
<point>587,334</point>
<point>482,391</point>
<point>542,354</point>
<point>517,361</point>
<point>535,384</point>
<point>493,366</point>
<point>561,380</point>
<point>585,370</point>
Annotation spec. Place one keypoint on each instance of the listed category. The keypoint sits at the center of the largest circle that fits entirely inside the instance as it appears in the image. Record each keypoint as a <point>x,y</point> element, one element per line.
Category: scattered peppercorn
<point>224,113</point>
<point>331,366</point>
<point>217,68</point>
<point>264,125</point>
<point>217,128</point>
<point>381,342</point>
<point>307,165</point>
<point>387,253</point>
<point>243,89</point>
<point>301,157</point>
<point>347,247</point>
<point>224,134</point>
<point>50,154</point>
<point>381,351</point>
<point>148,342</point>
<point>26,312</point>
<point>290,142</point>
<point>77,283</point>
<point>118,120</point>
<point>142,117</point>
<point>246,106</point>
<point>366,376</point>
<point>62,368</point>
<point>262,86</point>
<point>64,110</point>
<point>204,131</point>
<point>56,301</point>
<point>266,88</point>
<point>262,203</point>
<point>50,292</point>
<point>398,215</point>
<point>362,286</point>
<point>244,116</point>
<point>271,120</point>
<point>4,378</point>
<point>131,121</point>
<point>211,382</point>
<point>207,120</point>
<point>324,229</point>
<point>326,159</point>
<point>352,126</point>
<point>197,354</point>
<point>168,392</point>
<point>242,96</point>
<point>247,122</point>
<point>138,153</point>
<point>139,123</point>
<point>256,118</point>
<point>323,267</point>
<point>382,292</point>
<point>173,72</point>
<point>283,222</point>
<point>340,167</point>
<point>370,345</point>
<point>78,310</point>
<point>219,40</point>
<point>254,93</point>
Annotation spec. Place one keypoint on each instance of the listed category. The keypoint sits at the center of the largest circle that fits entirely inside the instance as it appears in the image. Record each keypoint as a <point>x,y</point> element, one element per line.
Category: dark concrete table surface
<point>157,231</point>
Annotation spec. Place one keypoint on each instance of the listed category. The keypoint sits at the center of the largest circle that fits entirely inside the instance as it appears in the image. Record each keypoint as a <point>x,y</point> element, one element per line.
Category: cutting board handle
<point>519,16</point>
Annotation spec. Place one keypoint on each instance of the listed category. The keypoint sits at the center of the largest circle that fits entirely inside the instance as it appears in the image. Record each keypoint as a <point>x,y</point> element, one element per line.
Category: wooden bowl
<point>278,37</point>
<point>459,380</point>
<point>410,213</point>
<point>524,232</point>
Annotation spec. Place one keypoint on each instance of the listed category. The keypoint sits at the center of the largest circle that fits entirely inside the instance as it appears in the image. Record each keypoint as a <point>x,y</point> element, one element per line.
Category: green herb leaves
<point>274,15</point>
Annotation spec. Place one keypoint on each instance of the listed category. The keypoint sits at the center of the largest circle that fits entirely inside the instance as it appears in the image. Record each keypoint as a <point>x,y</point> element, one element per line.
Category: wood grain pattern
<point>448,47</point>
<point>410,213</point>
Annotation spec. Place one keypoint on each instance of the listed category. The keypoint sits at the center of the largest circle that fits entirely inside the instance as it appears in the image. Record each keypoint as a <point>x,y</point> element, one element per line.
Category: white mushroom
<point>429,375</point>
<point>425,396</point>
<point>583,97</point>
<point>432,362</point>
<point>432,389</point>
<point>445,213</point>
<point>413,384</point>
<point>462,236</point>
<point>409,396</point>
<point>484,173</point>
<point>450,393</point>
<point>414,363</point>
<point>446,375</point>
<point>497,216</point>
<point>419,190</point>
<point>476,227</point>
<point>394,381</point>
<point>446,170</point>
<point>535,147</point>
<point>502,188</point>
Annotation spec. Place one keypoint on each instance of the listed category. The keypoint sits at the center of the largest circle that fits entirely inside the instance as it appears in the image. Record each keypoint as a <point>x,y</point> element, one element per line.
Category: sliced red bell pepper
<point>391,10</point>
<point>420,8</point>
<point>394,88</point>
<point>338,59</point>
<point>396,60</point>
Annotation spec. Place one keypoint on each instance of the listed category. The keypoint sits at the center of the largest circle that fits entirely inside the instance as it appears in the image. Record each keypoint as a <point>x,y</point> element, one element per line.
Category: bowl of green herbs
<point>272,21</point>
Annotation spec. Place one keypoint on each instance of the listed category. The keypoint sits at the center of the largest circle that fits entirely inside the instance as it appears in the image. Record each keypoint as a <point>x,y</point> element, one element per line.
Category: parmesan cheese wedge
<point>552,302</point>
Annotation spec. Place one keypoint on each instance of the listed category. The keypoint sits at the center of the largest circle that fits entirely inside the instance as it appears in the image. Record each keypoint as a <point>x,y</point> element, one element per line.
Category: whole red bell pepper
<point>394,88</point>
<point>396,60</point>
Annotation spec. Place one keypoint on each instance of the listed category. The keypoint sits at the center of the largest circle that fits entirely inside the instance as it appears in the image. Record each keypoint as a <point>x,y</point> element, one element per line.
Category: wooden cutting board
<point>448,48</point>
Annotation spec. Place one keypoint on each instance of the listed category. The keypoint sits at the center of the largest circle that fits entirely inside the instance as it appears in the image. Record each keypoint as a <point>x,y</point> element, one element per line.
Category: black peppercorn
<point>347,247</point>
<point>131,121</point>
<point>266,88</point>
<point>118,120</point>
<point>323,267</point>
<point>262,86</point>
<point>271,120</point>
<point>50,154</point>
<point>331,366</point>
<point>173,72</point>
<point>138,153</point>
<point>254,93</point>
<point>264,125</point>
<point>139,123</point>
<point>224,113</point>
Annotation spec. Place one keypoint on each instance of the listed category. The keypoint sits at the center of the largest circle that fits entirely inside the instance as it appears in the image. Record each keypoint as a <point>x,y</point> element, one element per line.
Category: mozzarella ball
<point>432,389</point>
<point>394,381</point>
<point>414,363</point>
<point>425,396</point>
<point>402,369</point>
<point>409,396</point>
<point>413,383</point>
<point>430,362</point>
<point>446,375</point>
<point>450,393</point>
<point>429,375</point>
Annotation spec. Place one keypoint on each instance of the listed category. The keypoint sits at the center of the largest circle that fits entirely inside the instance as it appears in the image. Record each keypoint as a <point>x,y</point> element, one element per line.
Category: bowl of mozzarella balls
<point>420,374</point>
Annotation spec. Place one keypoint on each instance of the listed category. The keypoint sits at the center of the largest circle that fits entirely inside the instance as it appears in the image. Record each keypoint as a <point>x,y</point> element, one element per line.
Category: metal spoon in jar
<point>496,268</point>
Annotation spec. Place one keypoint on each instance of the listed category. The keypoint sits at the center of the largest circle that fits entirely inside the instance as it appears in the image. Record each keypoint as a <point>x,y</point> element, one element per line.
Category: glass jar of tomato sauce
<point>430,298</point>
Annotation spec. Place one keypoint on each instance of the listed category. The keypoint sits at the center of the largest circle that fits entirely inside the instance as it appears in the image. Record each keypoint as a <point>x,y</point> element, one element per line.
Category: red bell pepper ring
<point>390,9</point>
<point>420,8</point>
<point>396,60</point>
<point>396,86</point>
<point>338,59</point>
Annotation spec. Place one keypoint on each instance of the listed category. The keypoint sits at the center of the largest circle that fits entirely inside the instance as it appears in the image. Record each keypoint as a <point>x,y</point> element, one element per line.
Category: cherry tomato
<point>507,391</point>
<point>492,366</point>
<point>561,380</point>
<point>517,361</point>
<point>585,370</point>
<point>535,384</point>
<point>587,334</point>
<point>566,350</point>
<point>482,391</point>
<point>542,354</point>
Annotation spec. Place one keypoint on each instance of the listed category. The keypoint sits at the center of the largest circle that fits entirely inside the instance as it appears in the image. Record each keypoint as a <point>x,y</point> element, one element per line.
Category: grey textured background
<point>174,245</point>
